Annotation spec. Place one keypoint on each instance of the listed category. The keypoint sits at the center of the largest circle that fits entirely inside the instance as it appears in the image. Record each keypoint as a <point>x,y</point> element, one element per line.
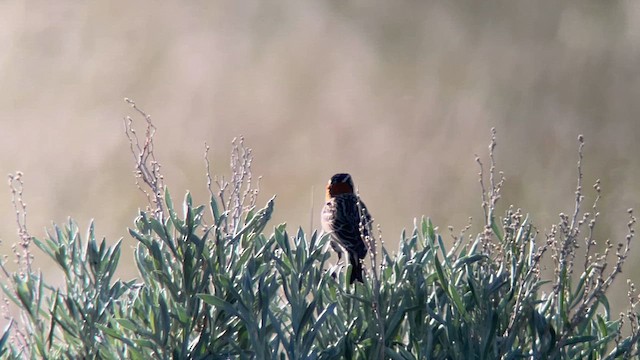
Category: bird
<point>341,218</point>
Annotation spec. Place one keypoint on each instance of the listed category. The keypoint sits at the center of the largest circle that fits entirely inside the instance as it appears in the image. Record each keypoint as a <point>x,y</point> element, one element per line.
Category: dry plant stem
<point>485,203</point>
<point>241,159</point>
<point>207,163</point>
<point>589,240</point>
<point>147,167</point>
<point>495,187</point>
<point>490,198</point>
<point>563,240</point>
<point>621,256</point>
<point>365,226</point>
<point>241,195</point>
<point>23,258</point>
<point>632,315</point>
<point>526,293</point>
<point>458,239</point>
<point>486,234</point>
<point>579,196</point>
<point>589,259</point>
<point>312,214</point>
<point>602,285</point>
<point>237,194</point>
<point>21,251</point>
<point>568,231</point>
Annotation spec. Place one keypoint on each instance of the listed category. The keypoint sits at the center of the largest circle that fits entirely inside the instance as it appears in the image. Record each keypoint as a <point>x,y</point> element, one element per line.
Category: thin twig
<point>147,167</point>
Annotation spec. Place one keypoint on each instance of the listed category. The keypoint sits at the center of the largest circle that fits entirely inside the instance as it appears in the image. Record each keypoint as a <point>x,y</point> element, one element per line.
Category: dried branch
<point>147,167</point>
<point>23,255</point>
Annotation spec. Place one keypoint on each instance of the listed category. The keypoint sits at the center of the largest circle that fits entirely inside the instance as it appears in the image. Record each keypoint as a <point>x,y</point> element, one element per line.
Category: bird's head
<point>339,184</point>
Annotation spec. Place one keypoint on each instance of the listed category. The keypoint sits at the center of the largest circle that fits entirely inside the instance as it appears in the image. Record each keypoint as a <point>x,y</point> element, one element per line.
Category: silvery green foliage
<point>236,288</point>
<point>207,294</point>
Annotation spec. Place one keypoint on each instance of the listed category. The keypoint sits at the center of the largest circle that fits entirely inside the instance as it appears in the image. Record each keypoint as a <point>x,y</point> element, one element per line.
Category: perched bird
<point>341,218</point>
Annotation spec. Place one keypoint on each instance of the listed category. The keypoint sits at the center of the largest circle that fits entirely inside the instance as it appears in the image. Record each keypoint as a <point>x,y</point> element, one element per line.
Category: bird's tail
<point>356,269</point>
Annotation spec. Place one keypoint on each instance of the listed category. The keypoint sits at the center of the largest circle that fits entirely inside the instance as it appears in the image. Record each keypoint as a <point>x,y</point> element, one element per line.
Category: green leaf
<point>127,324</point>
<point>4,338</point>
<point>215,211</point>
<point>441,277</point>
<point>391,354</point>
<point>220,303</point>
<point>468,260</point>
<point>579,339</point>
<point>457,300</point>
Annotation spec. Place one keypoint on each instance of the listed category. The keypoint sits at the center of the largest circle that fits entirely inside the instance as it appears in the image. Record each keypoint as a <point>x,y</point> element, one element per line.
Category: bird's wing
<point>346,225</point>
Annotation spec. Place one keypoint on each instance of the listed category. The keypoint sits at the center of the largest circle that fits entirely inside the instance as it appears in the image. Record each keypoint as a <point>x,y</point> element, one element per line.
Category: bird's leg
<point>338,265</point>
<point>343,251</point>
<point>340,250</point>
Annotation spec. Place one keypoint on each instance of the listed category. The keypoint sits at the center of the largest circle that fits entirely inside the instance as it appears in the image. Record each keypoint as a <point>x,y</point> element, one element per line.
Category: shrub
<point>226,289</point>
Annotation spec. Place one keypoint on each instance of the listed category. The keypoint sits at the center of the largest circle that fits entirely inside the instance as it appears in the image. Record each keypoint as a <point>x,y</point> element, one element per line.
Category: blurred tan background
<point>401,94</point>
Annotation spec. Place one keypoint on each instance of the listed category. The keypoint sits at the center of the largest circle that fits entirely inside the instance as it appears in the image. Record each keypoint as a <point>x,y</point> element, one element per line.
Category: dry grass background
<point>401,94</point>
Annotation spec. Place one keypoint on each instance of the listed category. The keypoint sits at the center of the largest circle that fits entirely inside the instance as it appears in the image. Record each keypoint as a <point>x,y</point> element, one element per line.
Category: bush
<point>228,290</point>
